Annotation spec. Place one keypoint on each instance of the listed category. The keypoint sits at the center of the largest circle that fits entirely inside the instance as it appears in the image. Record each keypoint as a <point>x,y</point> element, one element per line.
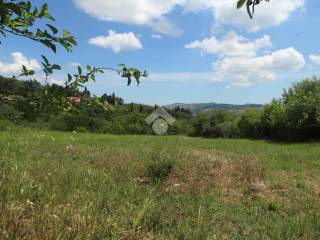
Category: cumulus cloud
<point>246,71</point>
<point>268,14</point>
<point>14,67</point>
<point>231,45</point>
<point>315,59</point>
<point>164,26</point>
<point>153,12</point>
<point>126,11</point>
<point>117,41</point>
<point>140,12</point>
<point>240,63</point>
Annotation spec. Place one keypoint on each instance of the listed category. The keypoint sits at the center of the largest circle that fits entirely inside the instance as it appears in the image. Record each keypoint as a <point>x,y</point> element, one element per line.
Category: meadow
<point>57,185</point>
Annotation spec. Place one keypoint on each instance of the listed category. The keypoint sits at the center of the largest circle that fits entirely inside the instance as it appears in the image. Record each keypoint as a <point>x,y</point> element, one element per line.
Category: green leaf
<point>44,11</point>
<point>69,78</point>
<point>129,80</point>
<point>49,45</point>
<point>241,3</point>
<point>52,28</point>
<point>14,7</point>
<point>56,67</point>
<point>72,41</point>
<point>45,60</point>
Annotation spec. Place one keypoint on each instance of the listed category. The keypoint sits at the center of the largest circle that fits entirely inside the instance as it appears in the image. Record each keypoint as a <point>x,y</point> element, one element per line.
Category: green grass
<point>85,186</point>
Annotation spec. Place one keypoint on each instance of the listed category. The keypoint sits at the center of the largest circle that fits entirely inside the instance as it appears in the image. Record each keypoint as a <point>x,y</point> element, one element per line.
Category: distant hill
<point>212,107</point>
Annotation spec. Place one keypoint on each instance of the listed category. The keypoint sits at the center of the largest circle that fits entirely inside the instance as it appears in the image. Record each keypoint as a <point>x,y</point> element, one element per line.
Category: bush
<point>8,112</point>
<point>160,166</point>
<point>58,124</point>
<point>94,124</point>
<point>222,124</point>
<point>159,171</point>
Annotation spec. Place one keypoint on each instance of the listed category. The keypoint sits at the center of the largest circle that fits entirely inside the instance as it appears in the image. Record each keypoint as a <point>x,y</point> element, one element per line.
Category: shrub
<point>8,112</point>
<point>159,171</point>
<point>159,167</point>
<point>58,124</point>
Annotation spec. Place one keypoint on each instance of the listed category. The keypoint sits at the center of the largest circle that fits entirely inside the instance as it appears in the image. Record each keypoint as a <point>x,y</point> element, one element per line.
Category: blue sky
<point>195,50</point>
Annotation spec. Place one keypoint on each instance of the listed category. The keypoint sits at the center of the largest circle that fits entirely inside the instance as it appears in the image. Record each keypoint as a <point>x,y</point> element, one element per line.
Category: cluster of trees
<point>105,114</point>
<point>293,117</point>
<point>222,124</point>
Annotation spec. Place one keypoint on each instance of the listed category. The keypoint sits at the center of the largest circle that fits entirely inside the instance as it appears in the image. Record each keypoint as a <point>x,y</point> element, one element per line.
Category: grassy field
<point>84,186</point>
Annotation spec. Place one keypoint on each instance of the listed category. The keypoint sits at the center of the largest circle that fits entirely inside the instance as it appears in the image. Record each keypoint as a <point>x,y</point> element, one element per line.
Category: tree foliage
<point>293,117</point>
<point>22,19</point>
<point>296,115</point>
<point>249,124</point>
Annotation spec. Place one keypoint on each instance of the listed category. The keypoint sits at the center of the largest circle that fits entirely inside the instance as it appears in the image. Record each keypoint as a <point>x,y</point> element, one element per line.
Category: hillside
<point>211,107</point>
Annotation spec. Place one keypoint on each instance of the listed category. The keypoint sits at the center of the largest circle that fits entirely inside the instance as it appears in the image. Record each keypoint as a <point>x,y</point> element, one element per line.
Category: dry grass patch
<point>210,171</point>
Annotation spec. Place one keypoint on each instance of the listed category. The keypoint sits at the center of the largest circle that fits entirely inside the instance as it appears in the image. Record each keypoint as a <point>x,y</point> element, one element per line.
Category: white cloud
<point>245,71</point>
<point>140,12</point>
<point>156,36</point>
<point>153,12</point>
<point>117,41</point>
<point>126,11</point>
<point>57,81</point>
<point>196,5</point>
<point>268,14</point>
<point>239,61</point>
<point>315,59</point>
<point>164,26</point>
<point>14,67</point>
<point>231,45</point>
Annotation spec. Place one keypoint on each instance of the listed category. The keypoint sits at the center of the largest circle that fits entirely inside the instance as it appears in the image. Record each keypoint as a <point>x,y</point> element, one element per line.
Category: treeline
<point>31,104</point>
<point>293,117</point>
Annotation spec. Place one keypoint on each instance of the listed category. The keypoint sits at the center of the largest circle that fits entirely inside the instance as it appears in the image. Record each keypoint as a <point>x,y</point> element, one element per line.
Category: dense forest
<point>295,116</point>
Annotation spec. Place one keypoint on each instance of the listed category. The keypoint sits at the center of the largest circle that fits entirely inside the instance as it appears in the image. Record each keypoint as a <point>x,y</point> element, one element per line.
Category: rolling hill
<point>211,107</point>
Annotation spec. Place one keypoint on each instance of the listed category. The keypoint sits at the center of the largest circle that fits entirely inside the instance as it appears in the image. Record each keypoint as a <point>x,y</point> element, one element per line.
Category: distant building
<point>9,98</point>
<point>74,99</point>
